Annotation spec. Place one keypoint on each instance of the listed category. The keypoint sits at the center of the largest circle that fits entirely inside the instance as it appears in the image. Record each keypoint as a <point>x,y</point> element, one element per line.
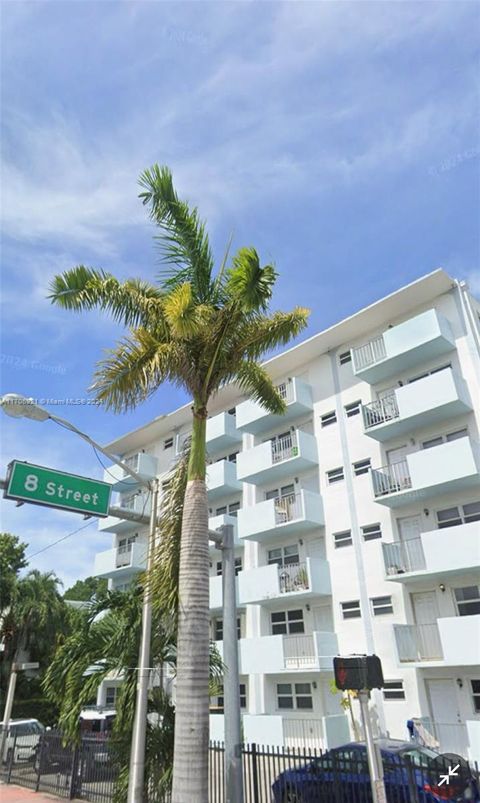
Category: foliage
<point>12,559</point>
<point>85,590</point>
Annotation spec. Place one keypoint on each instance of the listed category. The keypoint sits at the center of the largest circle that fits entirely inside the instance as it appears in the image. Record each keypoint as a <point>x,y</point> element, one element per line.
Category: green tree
<point>12,560</point>
<point>85,590</point>
<point>199,330</point>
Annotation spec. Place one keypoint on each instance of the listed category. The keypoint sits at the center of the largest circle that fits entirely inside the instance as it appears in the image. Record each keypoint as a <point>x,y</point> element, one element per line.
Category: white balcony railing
<point>286,391</point>
<point>392,478</point>
<point>288,508</point>
<point>418,642</point>
<point>303,732</point>
<point>123,556</point>
<point>284,448</point>
<point>381,410</point>
<point>404,556</point>
<point>293,577</point>
<point>299,652</point>
<point>369,353</point>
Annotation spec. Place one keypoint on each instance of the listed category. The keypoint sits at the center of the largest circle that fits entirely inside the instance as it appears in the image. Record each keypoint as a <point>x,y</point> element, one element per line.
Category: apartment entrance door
<point>425,612</point>
<point>447,724</point>
<point>409,529</point>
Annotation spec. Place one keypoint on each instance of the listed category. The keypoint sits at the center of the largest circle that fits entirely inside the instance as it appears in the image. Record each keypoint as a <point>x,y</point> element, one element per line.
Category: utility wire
<point>63,538</point>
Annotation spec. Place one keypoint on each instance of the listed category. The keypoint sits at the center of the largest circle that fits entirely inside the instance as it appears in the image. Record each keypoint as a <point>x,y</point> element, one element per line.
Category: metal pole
<point>136,776</point>
<point>374,760</point>
<point>231,682</point>
<point>8,708</point>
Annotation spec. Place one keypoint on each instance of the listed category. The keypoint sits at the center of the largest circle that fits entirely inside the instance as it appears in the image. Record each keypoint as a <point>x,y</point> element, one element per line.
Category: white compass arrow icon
<point>451,773</point>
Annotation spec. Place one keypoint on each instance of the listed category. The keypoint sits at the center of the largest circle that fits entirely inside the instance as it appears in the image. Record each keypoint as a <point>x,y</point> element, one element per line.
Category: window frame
<point>353,611</point>
<point>374,535</point>
<point>475,694</point>
<point>168,443</point>
<point>379,608</point>
<point>294,693</point>
<point>345,357</point>
<point>393,690</point>
<point>353,409</point>
<point>287,622</point>
<point>341,543</point>
<point>467,602</point>
<point>360,467</point>
<point>327,419</point>
<point>338,477</point>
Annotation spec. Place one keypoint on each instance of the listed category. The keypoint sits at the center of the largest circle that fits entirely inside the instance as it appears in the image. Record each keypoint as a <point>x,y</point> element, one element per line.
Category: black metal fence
<point>270,775</point>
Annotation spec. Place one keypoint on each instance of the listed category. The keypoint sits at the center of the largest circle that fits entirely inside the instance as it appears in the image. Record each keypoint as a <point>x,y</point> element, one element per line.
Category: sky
<point>341,139</point>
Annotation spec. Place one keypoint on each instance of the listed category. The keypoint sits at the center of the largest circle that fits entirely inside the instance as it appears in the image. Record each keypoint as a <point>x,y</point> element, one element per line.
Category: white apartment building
<point>357,521</point>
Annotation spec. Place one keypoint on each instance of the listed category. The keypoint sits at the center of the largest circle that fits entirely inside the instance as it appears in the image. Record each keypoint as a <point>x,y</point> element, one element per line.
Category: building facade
<point>357,521</point>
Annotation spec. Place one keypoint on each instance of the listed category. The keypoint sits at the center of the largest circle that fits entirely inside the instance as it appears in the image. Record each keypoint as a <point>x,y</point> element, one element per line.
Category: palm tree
<point>198,330</point>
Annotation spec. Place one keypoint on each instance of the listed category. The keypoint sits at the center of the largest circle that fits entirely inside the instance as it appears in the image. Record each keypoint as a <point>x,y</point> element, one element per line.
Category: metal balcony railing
<point>284,448</point>
<point>404,556</point>
<point>418,642</point>
<point>369,353</point>
<point>381,410</point>
<point>132,462</point>
<point>293,577</point>
<point>392,478</point>
<point>288,508</point>
<point>285,390</point>
<point>299,652</point>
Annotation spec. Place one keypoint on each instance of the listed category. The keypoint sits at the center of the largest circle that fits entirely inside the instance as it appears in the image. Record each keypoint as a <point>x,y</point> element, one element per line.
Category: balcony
<point>297,394</point>
<point>410,343</point>
<point>435,555</point>
<point>445,468</point>
<point>281,457</point>
<point>139,503</point>
<point>273,584</point>
<point>436,397</point>
<point>310,652</point>
<point>283,730</point>
<point>222,432</point>
<point>216,598</point>
<point>287,515</point>
<point>145,465</point>
<point>222,479</point>
<point>121,561</point>
<point>451,641</point>
<point>215,522</point>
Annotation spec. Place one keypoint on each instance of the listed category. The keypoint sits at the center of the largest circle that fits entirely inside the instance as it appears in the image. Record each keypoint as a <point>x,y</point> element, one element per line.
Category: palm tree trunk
<point>190,764</point>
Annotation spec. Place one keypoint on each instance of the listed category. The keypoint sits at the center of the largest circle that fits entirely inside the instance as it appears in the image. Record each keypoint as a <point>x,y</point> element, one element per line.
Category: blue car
<point>412,774</point>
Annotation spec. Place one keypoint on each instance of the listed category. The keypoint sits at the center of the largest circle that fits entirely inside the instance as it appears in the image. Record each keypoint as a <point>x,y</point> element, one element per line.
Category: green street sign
<point>46,486</point>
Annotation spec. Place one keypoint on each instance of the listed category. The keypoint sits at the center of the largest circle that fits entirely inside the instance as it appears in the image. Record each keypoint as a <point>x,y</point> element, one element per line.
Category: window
<point>238,566</point>
<point>231,509</point>
<point>110,695</point>
<point>427,373</point>
<point>218,701</point>
<point>342,539</point>
<point>287,622</point>
<point>351,610</point>
<point>352,409</point>
<point>335,475</point>
<point>362,467</point>
<point>284,555</point>
<point>328,418</point>
<point>296,695</point>
<point>168,443</point>
<point>450,436</point>
<point>476,695</point>
<point>371,531</point>
<point>281,493</point>
<point>393,690</point>
<point>218,629</point>
<point>452,516</point>
<point>344,357</point>
<point>468,600</point>
<point>381,605</point>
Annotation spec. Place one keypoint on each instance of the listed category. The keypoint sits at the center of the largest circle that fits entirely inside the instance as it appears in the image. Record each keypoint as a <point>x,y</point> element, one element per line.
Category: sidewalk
<point>9,793</point>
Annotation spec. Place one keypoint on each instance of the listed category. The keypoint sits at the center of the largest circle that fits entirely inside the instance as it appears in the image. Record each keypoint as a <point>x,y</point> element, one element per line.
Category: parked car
<point>411,772</point>
<point>22,738</point>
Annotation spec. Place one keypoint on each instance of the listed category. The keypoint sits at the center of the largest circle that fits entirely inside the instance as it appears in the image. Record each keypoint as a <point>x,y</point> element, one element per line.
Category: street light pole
<point>136,777</point>
<point>374,760</point>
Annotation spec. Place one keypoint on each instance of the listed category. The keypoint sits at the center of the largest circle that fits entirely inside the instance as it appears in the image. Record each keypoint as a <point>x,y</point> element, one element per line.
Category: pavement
<point>9,793</point>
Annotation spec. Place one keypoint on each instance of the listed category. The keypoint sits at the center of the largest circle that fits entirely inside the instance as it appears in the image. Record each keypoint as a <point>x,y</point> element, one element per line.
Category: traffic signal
<point>358,672</point>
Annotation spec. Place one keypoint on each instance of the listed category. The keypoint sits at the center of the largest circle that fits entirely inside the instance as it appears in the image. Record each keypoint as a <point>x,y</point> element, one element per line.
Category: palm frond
<point>183,314</point>
<point>183,242</point>
<point>135,369</point>
<point>132,302</point>
<point>254,380</point>
<point>261,334</point>
<point>247,283</point>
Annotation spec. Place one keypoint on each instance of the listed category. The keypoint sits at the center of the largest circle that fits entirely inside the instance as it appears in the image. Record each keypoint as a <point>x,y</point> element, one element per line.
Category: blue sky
<point>339,138</point>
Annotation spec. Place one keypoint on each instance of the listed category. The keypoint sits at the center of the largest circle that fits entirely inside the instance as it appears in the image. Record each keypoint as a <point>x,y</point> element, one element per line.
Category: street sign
<point>46,486</point>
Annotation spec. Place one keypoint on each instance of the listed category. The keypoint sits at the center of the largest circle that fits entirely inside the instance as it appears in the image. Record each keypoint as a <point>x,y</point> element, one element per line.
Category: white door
<point>396,455</point>
<point>322,618</point>
<point>447,724</point>
<point>316,548</point>
<point>409,529</point>
<point>425,612</point>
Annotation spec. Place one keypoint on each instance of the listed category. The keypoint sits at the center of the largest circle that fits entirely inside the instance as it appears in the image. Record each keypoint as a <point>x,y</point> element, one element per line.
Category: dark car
<point>411,773</point>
